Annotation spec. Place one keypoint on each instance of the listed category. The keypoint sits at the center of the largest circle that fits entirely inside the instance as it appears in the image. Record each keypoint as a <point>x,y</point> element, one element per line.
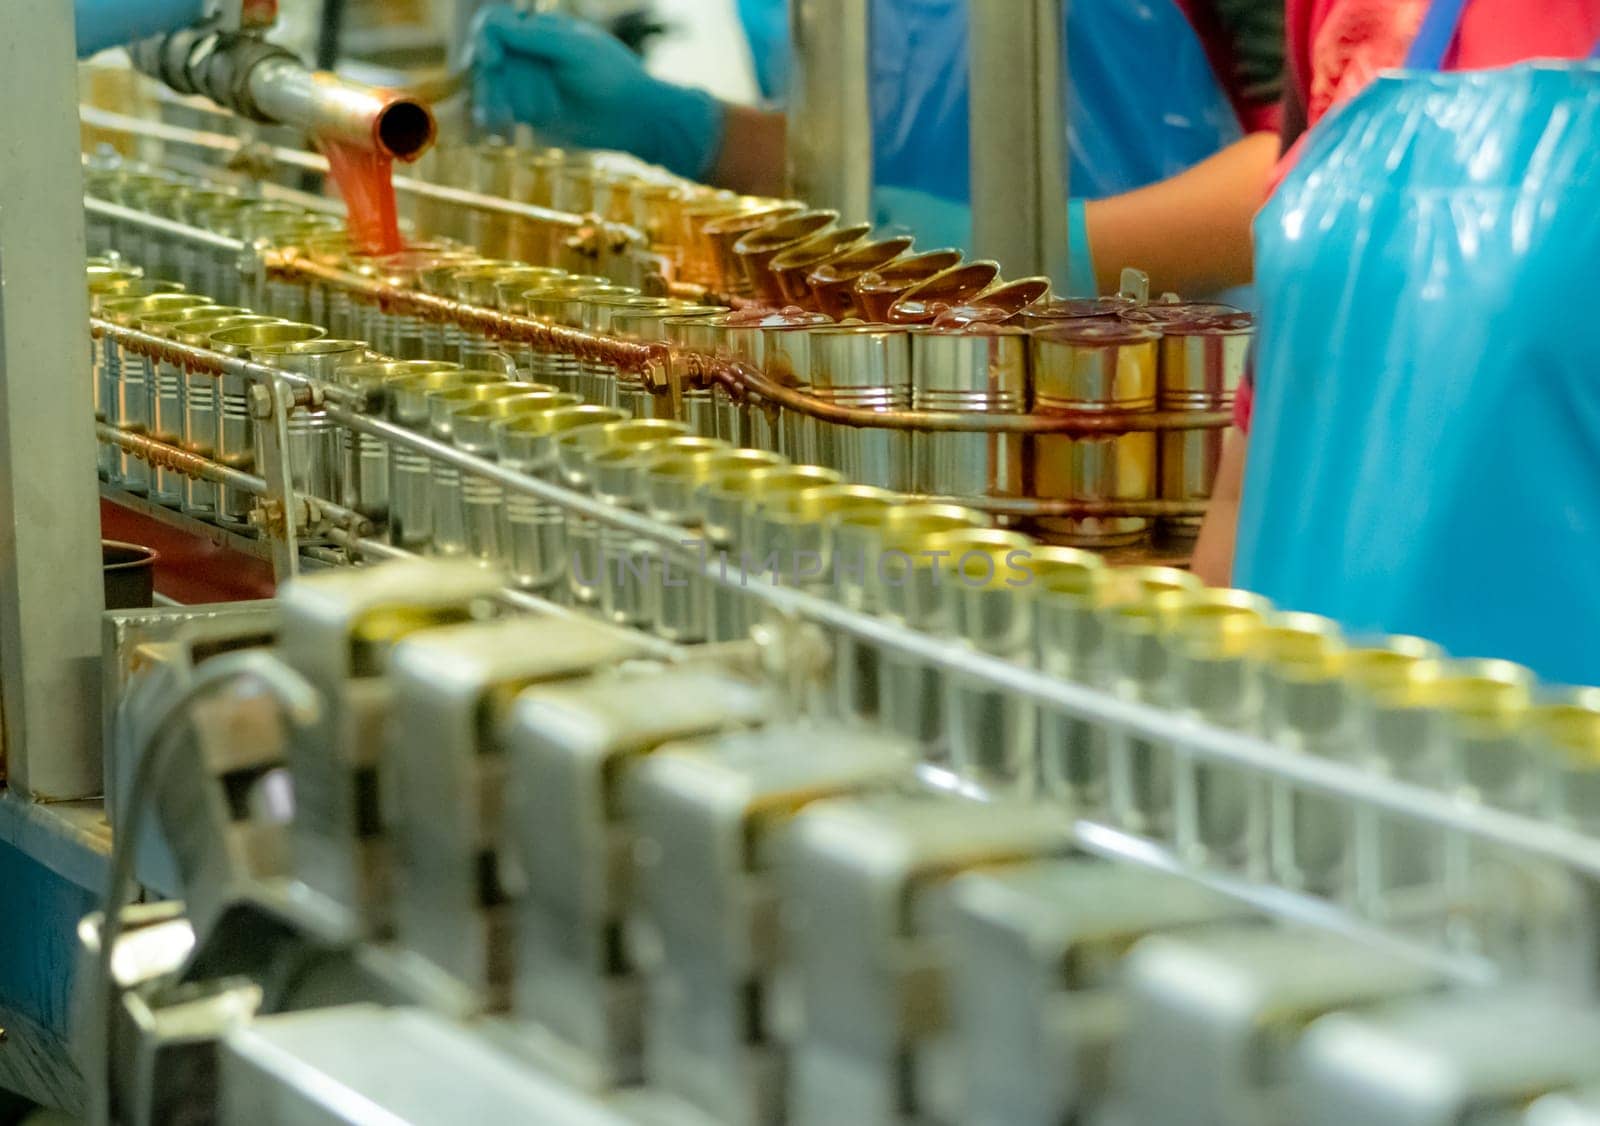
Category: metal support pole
<point>830,108</point>
<point>1019,136</point>
<point>50,589</point>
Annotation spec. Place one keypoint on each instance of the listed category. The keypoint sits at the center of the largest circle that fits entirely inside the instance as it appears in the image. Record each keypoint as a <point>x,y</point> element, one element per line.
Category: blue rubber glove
<point>581,88</point>
<point>113,23</point>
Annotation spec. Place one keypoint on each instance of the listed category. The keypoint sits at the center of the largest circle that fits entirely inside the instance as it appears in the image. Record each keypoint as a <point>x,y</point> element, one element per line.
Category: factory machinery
<point>728,669</point>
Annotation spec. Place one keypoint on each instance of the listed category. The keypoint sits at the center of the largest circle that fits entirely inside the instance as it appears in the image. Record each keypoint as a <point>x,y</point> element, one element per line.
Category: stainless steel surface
<point>1019,136</point>
<point>830,119</point>
<point>51,602</point>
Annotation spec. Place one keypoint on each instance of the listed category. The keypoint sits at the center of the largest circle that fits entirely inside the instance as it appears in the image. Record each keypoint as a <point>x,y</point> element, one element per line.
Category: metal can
<point>201,418</point>
<point>923,302</point>
<point>167,405</point>
<point>991,734</point>
<point>448,504</point>
<point>654,394</point>
<point>105,357</point>
<point>869,368</point>
<point>878,290</point>
<point>1213,638</point>
<point>832,284</point>
<point>908,577</point>
<point>1392,690</point>
<point>1488,701</point>
<point>509,285</point>
<point>680,610</point>
<point>758,248</point>
<point>791,268</point>
<point>548,303</point>
<point>1141,775</point>
<point>1067,589</point>
<point>316,466</point>
<point>597,549</point>
<point>725,233</point>
<point>863,537</point>
<point>1563,732</point>
<point>600,375</point>
<point>1096,369</point>
<point>978,370</point>
<point>484,501</point>
<point>1076,309</point>
<point>408,400</point>
<point>536,531</point>
<point>1202,364</point>
<point>364,469</point>
<point>236,428</point>
<point>131,382</point>
<point>1305,709</point>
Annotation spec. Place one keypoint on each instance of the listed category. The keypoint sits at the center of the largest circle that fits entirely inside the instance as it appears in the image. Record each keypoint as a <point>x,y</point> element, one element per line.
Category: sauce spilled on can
<point>364,179</point>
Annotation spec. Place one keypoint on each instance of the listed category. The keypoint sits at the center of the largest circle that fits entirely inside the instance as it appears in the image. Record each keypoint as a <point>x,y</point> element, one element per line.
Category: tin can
<point>167,404</point>
<point>791,269</point>
<point>694,400</point>
<point>364,460</point>
<point>698,264</point>
<point>1305,709</point>
<point>758,557</point>
<point>978,370</point>
<point>1068,589</point>
<point>236,428</point>
<point>862,539</point>
<point>1159,314</point>
<point>105,356</point>
<point>408,400</point>
<point>878,290</point>
<point>484,501</point>
<point>1096,369</point>
<point>130,384</point>
<point>1202,364</point>
<point>448,502</point>
<point>757,249</point>
<point>924,302</point>
<point>509,286</point>
<point>1487,702</point>
<point>1391,687</point>
<point>725,233</point>
<point>1563,733</point>
<point>476,286</point>
<point>536,531</point>
<point>991,734</point>
<point>682,607</point>
<point>1213,639</point>
<point>439,280</point>
<point>600,376</point>
<point>909,577</point>
<point>201,417</point>
<point>864,367</point>
<point>654,394</point>
<point>316,464</point>
<point>1141,775</point>
<point>593,547</point>
<point>635,570</point>
<point>1001,303</point>
<point>832,284</point>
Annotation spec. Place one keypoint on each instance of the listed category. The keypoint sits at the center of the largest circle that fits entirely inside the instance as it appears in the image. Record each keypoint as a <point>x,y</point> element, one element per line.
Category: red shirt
<point>1337,47</point>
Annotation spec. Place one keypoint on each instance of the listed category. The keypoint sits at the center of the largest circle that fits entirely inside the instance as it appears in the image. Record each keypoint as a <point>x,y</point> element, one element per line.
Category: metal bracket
<point>279,515</point>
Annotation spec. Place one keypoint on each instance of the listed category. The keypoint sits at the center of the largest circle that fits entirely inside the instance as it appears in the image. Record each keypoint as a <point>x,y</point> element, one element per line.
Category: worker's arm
<point>753,154</point>
<point>1213,551</point>
<point>1191,233</point>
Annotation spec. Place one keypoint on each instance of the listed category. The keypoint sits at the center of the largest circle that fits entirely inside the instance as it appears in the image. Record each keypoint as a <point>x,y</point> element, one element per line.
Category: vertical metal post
<point>1019,136</point>
<point>50,590</point>
<point>830,108</point>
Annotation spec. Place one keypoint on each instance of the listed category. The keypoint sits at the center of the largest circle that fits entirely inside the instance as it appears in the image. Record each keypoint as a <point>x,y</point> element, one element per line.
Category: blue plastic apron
<point>1425,445</point>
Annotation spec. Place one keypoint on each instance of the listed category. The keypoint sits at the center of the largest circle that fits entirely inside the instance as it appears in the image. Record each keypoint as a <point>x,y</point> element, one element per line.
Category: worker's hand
<point>579,87</point>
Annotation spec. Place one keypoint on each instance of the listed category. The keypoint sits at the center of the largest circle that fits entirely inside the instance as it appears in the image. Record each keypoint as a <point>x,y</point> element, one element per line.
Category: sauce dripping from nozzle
<point>365,182</point>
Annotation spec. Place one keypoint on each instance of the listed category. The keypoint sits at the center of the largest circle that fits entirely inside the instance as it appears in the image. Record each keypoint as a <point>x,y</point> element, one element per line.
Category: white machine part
<point>1038,991</point>
<point>705,928</point>
<point>864,882</point>
<point>1470,1057</point>
<point>445,769</point>
<point>338,629</point>
<point>568,849</point>
<point>1216,1016</point>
